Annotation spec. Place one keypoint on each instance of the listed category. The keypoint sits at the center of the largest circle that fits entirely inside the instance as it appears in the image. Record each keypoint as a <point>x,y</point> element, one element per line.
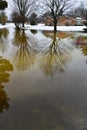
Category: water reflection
<point>3,99</point>
<point>81,43</point>
<point>3,39</point>
<point>39,102</point>
<point>25,54</point>
<point>84,50</point>
<point>33,31</point>
<point>56,57</point>
<point>5,66</point>
<point>58,34</point>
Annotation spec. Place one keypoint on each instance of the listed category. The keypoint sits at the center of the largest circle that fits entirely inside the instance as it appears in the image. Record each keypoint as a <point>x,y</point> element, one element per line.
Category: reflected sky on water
<point>43,80</point>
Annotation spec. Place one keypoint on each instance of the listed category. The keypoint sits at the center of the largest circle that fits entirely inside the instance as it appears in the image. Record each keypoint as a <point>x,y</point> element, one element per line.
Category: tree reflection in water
<point>81,42</point>
<point>84,50</point>
<point>33,31</point>
<point>5,66</point>
<point>56,57</point>
<point>25,54</point>
<point>3,39</point>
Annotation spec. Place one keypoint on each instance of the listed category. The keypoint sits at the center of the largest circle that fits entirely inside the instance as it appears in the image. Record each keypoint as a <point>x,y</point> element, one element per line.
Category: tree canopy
<point>23,8</point>
<point>3,4</point>
<point>57,8</point>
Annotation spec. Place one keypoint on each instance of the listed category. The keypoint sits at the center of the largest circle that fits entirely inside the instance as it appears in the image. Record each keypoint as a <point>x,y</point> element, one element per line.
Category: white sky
<point>9,9</point>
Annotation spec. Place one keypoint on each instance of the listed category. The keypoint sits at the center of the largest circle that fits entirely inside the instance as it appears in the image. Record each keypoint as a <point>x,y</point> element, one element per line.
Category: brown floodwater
<point>43,80</point>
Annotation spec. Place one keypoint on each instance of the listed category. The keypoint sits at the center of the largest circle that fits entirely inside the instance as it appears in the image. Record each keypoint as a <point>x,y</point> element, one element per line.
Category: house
<point>80,21</point>
<point>48,21</point>
<point>63,21</point>
<point>66,21</point>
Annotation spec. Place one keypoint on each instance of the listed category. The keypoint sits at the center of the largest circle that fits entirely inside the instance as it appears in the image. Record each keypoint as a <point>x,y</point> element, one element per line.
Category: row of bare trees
<point>24,8</point>
<point>27,10</point>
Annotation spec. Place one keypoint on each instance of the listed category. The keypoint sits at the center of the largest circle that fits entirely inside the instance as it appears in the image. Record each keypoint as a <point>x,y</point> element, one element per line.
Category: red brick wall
<point>48,21</point>
<point>63,21</point>
<point>66,21</point>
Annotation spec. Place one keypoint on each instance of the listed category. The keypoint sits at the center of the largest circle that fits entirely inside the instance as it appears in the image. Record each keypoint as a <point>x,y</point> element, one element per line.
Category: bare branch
<point>57,8</point>
<point>24,8</point>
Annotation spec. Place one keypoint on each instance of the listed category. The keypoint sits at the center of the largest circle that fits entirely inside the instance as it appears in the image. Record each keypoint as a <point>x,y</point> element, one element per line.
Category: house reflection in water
<point>5,66</point>
<point>80,41</point>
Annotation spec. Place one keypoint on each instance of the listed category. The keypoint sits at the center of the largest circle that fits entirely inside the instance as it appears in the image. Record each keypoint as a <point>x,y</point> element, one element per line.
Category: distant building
<point>79,21</point>
<point>48,21</point>
<point>64,21</point>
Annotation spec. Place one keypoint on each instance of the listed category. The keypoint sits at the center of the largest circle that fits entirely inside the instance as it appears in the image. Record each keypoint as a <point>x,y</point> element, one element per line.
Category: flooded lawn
<point>43,80</point>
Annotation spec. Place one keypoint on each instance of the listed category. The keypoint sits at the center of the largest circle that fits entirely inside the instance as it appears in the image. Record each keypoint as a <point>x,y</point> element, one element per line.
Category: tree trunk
<point>55,28</point>
<point>55,25</point>
<point>23,24</point>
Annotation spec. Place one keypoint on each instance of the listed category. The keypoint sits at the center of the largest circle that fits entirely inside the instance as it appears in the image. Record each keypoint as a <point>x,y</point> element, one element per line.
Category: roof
<point>67,17</point>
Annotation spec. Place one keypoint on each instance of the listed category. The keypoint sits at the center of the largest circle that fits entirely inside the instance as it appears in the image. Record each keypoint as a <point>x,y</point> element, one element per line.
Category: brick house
<point>48,21</point>
<point>63,21</point>
<point>66,21</point>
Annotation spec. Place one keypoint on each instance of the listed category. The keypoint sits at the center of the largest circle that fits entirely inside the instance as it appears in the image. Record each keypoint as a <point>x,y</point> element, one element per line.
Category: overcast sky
<point>9,9</point>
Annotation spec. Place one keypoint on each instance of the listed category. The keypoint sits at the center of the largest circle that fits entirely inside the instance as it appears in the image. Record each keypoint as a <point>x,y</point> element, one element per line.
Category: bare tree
<point>57,8</point>
<point>23,8</point>
<point>78,11</point>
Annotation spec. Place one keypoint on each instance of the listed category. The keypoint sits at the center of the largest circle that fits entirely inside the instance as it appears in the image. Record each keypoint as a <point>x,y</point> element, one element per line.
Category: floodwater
<point>43,80</point>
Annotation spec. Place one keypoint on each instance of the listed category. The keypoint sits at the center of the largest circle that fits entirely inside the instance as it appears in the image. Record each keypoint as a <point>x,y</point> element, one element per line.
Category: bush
<point>85,23</point>
<point>33,19</point>
<point>3,18</point>
<point>32,22</point>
